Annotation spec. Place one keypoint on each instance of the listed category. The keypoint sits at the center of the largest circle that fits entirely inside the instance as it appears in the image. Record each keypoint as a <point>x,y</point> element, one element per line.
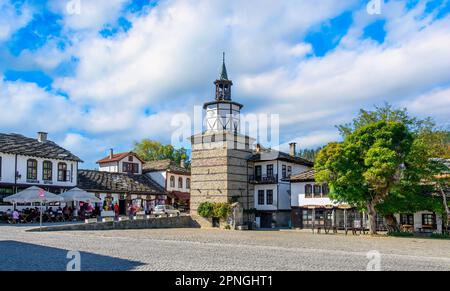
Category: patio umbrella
<point>33,195</point>
<point>76,194</point>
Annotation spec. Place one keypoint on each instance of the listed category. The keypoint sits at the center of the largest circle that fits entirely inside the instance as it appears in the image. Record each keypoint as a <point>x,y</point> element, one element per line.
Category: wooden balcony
<point>263,179</point>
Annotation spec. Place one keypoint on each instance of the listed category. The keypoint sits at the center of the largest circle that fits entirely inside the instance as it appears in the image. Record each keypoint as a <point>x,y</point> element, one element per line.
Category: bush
<point>216,210</point>
<point>206,209</point>
<point>222,210</point>
<point>440,236</point>
<point>401,234</point>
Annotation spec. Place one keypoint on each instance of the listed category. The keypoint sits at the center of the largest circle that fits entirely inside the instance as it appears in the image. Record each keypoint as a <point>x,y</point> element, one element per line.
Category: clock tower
<point>223,113</point>
<point>220,155</point>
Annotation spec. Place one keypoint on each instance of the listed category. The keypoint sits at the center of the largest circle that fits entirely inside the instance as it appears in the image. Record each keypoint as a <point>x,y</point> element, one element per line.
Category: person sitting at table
<point>15,216</point>
<point>33,216</point>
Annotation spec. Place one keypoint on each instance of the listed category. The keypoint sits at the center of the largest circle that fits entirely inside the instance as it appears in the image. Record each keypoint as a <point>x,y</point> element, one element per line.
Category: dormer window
<point>131,168</point>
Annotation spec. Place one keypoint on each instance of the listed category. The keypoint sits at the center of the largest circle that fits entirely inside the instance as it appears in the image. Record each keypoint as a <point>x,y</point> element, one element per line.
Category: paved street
<point>195,249</point>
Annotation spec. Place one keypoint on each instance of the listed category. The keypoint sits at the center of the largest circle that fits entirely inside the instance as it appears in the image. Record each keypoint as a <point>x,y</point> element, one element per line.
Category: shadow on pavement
<point>19,256</point>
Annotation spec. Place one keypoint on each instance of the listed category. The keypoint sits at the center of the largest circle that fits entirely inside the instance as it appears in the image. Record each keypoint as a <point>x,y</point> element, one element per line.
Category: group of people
<point>67,213</point>
<point>32,215</point>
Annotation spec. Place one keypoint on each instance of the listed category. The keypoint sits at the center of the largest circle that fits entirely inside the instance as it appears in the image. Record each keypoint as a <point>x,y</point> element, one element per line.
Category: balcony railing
<point>263,179</point>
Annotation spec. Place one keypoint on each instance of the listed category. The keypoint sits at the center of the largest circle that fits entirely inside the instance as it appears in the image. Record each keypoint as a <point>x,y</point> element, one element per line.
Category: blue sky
<point>102,74</point>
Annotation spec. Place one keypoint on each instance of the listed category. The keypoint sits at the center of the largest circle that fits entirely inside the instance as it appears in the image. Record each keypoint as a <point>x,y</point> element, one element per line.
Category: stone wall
<point>160,222</point>
<point>219,173</point>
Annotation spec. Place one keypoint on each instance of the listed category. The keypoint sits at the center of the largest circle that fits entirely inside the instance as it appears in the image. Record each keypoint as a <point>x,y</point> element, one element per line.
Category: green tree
<point>364,168</point>
<point>384,174</point>
<point>150,150</point>
<point>309,154</point>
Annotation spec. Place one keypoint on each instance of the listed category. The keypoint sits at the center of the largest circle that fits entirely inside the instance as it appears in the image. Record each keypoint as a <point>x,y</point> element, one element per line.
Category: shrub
<point>440,236</point>
<point>216,210</point>
<point>222,210</point>
<point>206,209</point>
<point>401,234</point>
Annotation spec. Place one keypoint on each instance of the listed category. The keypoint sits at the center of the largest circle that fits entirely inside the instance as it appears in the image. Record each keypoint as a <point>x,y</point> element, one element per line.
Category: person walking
<point>116,211</point>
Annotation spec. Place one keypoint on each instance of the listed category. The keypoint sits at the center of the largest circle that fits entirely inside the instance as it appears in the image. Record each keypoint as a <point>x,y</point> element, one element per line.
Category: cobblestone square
<point>200,249</point>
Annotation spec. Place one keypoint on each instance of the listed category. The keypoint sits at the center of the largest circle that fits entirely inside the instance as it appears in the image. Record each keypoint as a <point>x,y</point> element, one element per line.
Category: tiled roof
<point>117,157</point>
<point>270,155</point>
<point>90,180</point>
<point>21,145</point>
<point>307,176</point>
<point>164,165</point>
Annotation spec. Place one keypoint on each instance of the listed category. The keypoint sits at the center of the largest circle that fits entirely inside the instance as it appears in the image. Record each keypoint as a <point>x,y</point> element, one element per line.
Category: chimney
<point>42,136</point>
<point>258,148</point>
<point>111,153</point>
<point>182,164</point>
<point>292,149</point>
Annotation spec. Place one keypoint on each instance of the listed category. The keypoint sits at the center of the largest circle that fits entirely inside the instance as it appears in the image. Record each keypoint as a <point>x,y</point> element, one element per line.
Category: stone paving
<point>200,249</point>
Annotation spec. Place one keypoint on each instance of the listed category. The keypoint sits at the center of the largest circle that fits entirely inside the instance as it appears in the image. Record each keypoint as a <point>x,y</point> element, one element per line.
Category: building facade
<point>174,178</point>
<point>126,163</point>
<point>270,177</point>
<point>312,208</point>
<point>26,162</point>
<point>123,189</point>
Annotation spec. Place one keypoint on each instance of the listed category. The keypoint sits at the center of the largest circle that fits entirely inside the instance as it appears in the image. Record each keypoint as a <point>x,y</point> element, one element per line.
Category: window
<point>269,198</point>
<point>47,168</point>
<point>269,170</point>
<point>31,170</point>
<point>407,219</point>
<point>180,182</point>
<point>188,183</point>
<point>62,172</point>
<point>172,181</point>
<point>283,171</point>
<point>258,173</point>
<point>130,158</point>
<point>428,219</point>
<point>317,191</point>
<point>0,168</point>
<point>325,190</point>
<point>289,171</point>
<point>260,197</point>
<point>308,191</point>
<point>132,168</point>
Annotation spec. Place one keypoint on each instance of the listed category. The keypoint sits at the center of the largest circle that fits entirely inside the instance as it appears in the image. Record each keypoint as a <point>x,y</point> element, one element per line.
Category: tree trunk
<point>371,213</point>
<point>447,211</point>
<point>391,223</point>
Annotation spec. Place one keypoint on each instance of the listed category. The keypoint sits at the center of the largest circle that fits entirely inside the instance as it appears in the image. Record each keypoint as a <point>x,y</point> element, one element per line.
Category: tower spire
<point>223,73</point>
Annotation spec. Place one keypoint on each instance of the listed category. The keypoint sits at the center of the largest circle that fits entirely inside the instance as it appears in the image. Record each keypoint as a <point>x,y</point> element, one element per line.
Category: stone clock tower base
<point>220,171</point>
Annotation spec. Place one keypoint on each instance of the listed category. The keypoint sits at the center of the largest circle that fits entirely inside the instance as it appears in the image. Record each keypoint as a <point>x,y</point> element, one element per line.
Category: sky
<point>107,73</point>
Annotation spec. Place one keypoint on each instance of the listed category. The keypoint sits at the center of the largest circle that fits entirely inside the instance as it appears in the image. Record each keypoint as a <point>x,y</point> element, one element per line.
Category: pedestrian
<point>116,211</point>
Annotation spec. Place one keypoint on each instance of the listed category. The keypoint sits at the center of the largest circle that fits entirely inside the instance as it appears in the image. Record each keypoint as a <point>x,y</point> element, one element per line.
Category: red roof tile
<point>118,157</point>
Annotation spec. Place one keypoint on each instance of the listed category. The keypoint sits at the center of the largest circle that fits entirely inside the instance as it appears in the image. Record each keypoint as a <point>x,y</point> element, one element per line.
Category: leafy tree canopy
<point>150,150</point>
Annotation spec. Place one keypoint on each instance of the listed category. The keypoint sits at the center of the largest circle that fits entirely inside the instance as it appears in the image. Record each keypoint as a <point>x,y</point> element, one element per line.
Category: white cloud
<point>167,61</point>
<point>10,20</point>
<point>436,103</point>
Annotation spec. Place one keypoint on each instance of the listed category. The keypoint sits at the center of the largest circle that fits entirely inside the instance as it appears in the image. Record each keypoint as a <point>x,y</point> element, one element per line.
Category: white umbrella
<point>77,194</point>
<point>33,195</point>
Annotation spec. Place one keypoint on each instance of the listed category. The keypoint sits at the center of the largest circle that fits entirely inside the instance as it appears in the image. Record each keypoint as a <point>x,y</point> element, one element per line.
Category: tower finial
<point>223,73</point>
